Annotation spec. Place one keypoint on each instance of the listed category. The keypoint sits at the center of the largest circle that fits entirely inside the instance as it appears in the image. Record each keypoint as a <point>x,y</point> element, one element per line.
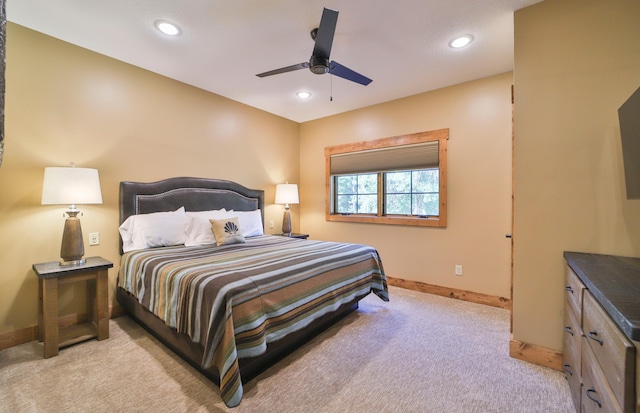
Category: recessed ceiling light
<point>461,41</point>
<point>303,95</point>
<point>167,28</point>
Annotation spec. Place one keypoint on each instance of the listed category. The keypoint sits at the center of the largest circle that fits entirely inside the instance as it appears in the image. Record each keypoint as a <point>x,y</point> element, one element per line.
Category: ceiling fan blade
<point>291,68</point>
<point>326,30</point>
<point>344,72</point>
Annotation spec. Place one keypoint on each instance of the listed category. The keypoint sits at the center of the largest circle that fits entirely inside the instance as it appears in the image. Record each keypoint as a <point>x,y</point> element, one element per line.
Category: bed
<point>231,310</point>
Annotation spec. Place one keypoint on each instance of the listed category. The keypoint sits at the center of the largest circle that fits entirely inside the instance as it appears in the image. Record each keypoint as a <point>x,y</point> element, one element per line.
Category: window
<point>357,194</point>
<point>414,192</point>
<point>399,180</point>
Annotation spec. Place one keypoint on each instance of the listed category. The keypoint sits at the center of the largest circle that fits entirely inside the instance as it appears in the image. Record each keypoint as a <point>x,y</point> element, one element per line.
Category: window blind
<point>416,156</point>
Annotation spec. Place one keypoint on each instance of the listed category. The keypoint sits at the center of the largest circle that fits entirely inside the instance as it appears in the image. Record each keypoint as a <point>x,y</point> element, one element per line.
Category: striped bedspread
<point>235,299</point>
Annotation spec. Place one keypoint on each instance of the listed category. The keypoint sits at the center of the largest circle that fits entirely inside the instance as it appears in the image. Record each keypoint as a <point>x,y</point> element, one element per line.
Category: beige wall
<point>478,115</point>
<point>66,104</point>
<point>576,62</point>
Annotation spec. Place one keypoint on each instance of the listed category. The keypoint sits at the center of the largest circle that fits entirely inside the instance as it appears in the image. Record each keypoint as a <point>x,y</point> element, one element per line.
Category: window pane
<point>398,204</point>
<point>426,204</point>
<point>357,194</point>
<point>368,184</point>
<point>368,204</point>
<point>426,180</point>
<point>346,204</point>
<point>398,182</point>
<point>347,184</point>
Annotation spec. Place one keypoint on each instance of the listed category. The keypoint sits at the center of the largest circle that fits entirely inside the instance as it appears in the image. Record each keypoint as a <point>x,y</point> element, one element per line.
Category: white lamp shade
<point>287,194</point>
<point>70,186</point>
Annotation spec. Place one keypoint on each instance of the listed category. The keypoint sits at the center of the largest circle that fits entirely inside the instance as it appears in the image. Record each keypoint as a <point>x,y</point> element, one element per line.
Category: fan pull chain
<point>331,87</point>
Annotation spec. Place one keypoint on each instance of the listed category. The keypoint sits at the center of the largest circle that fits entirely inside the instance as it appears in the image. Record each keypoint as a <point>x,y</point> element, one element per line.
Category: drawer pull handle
<point>567,369</point>
<point>569,330</point>
<point>568,288</point>
<point>592,390</point>
<point>593,335</point>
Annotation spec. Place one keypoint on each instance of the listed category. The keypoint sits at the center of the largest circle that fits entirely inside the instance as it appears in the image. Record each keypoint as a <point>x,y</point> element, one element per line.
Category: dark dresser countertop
<point>615,283</point>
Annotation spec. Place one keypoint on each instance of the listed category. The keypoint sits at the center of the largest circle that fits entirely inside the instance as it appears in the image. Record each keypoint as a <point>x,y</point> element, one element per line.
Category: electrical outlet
<point>458,269</point>
<point>271,224</point>
<point>94,238</point>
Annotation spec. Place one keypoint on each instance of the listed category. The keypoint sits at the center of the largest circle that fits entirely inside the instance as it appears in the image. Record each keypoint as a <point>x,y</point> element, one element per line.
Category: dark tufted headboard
<point>195,194</point>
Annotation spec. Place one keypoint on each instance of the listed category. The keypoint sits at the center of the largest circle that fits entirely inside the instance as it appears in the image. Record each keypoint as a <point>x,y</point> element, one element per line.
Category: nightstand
<point>294,235</point>
<point>50,276</point>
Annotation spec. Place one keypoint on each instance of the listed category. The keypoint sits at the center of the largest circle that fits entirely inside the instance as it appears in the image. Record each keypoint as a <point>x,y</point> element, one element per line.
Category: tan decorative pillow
<point>227,231</point>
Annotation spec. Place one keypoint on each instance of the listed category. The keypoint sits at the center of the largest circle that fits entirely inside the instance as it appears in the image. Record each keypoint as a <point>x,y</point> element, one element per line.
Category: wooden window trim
<point>441,135</point>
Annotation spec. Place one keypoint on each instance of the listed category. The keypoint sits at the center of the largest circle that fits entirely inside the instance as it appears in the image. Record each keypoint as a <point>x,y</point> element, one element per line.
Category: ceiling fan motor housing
<point>319,65</point>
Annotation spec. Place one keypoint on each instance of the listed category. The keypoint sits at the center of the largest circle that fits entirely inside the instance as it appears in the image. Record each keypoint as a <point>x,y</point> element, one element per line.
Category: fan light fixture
<point>167,28</point>
<point>303,94</point>
<point>461,41</point>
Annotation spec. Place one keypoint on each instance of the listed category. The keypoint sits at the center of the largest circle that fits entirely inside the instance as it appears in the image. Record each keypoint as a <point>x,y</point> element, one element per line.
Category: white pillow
<point>198,228</point>
<point>157,229</point>
<point>250,222</point>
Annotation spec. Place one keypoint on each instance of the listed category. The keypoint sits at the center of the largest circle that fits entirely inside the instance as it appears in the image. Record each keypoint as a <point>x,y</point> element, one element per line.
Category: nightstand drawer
<point>613,351</point>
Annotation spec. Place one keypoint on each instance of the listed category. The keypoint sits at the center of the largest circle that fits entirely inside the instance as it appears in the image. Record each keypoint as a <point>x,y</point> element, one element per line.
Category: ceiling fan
<point>319,62</point>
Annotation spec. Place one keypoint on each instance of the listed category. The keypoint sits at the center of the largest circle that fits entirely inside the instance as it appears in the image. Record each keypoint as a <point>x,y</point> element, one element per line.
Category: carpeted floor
<point>417,353</point>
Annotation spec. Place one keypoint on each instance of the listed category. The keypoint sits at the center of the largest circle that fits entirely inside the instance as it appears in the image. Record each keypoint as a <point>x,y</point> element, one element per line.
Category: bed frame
<point>200,194</point>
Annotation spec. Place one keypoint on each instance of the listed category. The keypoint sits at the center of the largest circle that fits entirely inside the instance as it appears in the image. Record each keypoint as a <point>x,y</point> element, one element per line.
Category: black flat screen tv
<point>629,117</point>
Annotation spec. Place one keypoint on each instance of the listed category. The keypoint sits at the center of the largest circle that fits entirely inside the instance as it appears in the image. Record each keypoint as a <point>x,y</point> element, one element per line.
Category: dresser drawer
<point>573,293</point>
<point>612,350</point>
<point>597,396</point>
<point>571,356</point>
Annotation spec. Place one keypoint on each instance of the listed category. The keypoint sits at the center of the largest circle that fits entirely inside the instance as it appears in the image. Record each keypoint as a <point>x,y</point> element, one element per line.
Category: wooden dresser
<point>602,332</point>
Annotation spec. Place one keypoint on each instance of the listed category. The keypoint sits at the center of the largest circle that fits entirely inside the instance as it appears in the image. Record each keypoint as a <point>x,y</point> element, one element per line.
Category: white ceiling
<point>401,45</point>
